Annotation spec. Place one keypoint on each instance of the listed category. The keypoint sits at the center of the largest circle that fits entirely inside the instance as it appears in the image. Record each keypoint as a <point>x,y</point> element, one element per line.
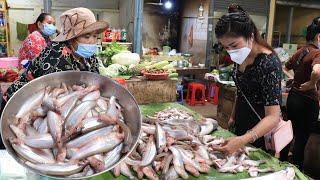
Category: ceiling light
<point>168,5</point>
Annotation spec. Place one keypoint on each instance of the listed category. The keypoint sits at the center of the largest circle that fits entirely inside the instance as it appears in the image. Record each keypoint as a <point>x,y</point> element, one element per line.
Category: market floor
<point>208,110</point>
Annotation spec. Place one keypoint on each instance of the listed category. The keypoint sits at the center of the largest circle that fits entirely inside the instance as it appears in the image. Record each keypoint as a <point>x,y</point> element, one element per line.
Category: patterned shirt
<point>261,81</point>
<point>56,57</point>
<point>32,46</point>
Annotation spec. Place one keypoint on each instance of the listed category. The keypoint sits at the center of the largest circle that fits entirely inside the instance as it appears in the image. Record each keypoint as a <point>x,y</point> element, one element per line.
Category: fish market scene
<point>159,89</point>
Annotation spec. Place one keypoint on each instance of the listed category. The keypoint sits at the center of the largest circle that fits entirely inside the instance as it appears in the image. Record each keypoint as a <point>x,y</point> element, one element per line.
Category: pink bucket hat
<point>77,22</point>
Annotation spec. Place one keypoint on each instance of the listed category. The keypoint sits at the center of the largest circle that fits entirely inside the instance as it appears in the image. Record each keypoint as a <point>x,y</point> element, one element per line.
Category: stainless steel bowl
<point>109,87</point>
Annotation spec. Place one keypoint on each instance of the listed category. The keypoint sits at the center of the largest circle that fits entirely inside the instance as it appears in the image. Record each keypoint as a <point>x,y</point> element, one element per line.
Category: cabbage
<point>126,58</point>
<point>113,70</point>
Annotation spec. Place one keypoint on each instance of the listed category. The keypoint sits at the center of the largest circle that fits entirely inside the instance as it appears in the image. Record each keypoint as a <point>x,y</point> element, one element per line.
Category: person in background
<point>37,40</point>
<point>257,75</point>
<point>73,49</point>
<point>303,99</point>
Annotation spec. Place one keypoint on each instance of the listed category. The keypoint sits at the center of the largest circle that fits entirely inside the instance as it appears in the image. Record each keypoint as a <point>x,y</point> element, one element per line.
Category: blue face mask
<point>49,29</point>
<point>86,50</point>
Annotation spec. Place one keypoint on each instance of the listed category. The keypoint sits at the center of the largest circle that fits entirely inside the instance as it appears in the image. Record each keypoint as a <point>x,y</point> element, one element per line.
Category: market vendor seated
<point>72,49</point>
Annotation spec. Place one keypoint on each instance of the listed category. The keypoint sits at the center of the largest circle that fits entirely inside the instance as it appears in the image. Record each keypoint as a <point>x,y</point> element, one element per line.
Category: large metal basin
<point>109,88</point>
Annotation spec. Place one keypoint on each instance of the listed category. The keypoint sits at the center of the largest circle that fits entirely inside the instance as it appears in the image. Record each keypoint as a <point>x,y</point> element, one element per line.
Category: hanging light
<point>201,10</point>
<point>168,5</point>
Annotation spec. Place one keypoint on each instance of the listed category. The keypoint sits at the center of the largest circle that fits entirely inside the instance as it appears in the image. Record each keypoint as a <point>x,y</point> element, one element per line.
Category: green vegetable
<point>111,50</point>
<point>173,75</point>
<point>174,79</point>
<point>159,65</point>
<point>169,66</point>
<point>113,70</point>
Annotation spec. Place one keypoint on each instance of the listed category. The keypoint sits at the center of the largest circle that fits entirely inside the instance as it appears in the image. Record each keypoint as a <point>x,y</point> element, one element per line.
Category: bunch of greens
<point>111,50</point>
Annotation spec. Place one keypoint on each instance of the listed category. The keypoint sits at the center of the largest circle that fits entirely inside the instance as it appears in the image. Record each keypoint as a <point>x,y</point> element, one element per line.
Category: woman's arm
<point>263,127</point>
<point>315,76</point>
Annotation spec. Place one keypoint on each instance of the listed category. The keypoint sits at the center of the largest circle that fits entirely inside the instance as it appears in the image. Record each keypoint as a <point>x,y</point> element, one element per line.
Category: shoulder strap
<point>242,93</point>
<point>302,55</point>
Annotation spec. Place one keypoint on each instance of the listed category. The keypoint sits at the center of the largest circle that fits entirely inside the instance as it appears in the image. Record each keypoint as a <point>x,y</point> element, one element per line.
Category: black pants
<point>303,112</point>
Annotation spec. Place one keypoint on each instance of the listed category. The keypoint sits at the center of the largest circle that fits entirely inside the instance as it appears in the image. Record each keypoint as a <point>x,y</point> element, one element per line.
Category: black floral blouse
<point>261,84</point>
<point>261,81</point>
<point>55,58</point>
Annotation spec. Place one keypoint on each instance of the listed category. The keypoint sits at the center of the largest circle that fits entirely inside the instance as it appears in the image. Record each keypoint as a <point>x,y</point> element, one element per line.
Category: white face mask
<point>239,55</point>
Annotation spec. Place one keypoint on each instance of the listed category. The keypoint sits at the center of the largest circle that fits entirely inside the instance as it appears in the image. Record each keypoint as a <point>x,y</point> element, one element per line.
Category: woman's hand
<point>231,145</point>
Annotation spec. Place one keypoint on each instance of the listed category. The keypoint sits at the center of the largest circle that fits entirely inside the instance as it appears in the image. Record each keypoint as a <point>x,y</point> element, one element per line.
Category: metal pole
<point>272,11</point>
<point>138,17</point>
<point>289,27</point>
<point>47,4</point>
<point>209,49</point>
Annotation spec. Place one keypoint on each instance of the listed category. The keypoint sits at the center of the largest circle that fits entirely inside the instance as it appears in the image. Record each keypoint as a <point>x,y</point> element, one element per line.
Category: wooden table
<point>196,72</point>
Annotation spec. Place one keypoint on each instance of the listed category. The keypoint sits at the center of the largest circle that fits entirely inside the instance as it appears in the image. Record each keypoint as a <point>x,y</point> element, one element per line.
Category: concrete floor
<point>208,110</point>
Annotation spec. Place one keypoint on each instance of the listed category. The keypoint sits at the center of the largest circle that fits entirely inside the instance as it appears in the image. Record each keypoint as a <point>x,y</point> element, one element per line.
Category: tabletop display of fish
<point>173,144</point>
<point>70,131</point>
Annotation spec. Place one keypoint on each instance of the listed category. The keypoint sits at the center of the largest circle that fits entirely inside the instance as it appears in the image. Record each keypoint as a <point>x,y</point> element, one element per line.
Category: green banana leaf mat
<point>272,162</point>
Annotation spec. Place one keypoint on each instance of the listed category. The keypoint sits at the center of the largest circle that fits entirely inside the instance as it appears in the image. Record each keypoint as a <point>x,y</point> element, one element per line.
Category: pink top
<point>32,46</point>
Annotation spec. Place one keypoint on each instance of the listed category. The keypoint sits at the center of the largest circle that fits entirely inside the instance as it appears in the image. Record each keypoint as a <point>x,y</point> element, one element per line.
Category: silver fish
<point>39,112</point>
<point>191,169</point>
<point>100,145</point>
<point>90,124</point>
<point>61,101</point>
<point>48,101</point>
<point>55,126</point>
<point>178,163</point>
<point>124,170</point>
<point>208,126</point>
<point>160,138</point>
<point>68,106</point>
<point>150,173</point>
<point>93,96</point>
<point>82,140</point>
<point>17,131</point>
<point>113,156</point>
<point>32,102</point>
<point>167,161</point>
<point>128,137</point>
<point>30,131</point>
<point>139,171</point>
<point>37,123</point>
<point>97,162</point>
<point>88,171</point>
<point>150,152</point>
<point>230,169</point>
<point>57,91</point>
<point>31,154</point>
<point>252,162</point>
<point>42,141</point>
<point>113,112</point>
<point>171,174</point>
<point>43,128</point>
<point>77,115</point>
<point>102,104</point>
<point>149,129</point>
<point>62,169</point>
<point>188,160</point>
<point>288,174</point>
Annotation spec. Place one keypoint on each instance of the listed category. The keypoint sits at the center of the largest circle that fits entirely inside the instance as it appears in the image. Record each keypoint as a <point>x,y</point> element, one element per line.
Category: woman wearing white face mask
<point>303,99</point>
<point>72,49</point>
<point>257,75</point>
<point>37,40</point>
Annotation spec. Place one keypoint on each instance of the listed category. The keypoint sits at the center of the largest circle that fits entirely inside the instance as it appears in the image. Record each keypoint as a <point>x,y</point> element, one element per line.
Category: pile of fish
<point>70,131</point>
<point>173,144</point>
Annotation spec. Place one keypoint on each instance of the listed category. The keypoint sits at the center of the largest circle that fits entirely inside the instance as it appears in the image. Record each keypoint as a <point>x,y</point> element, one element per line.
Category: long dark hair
<point>237,23</point>
<point>41,18</point>
<point>313,29</point>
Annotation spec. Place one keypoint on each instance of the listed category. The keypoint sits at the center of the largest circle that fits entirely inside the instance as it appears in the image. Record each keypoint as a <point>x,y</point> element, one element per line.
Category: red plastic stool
<point>191,94</point>
<point>216,94</point>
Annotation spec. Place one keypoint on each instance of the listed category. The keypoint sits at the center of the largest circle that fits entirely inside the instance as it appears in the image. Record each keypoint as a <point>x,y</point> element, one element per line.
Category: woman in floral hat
<point>72,49</point>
